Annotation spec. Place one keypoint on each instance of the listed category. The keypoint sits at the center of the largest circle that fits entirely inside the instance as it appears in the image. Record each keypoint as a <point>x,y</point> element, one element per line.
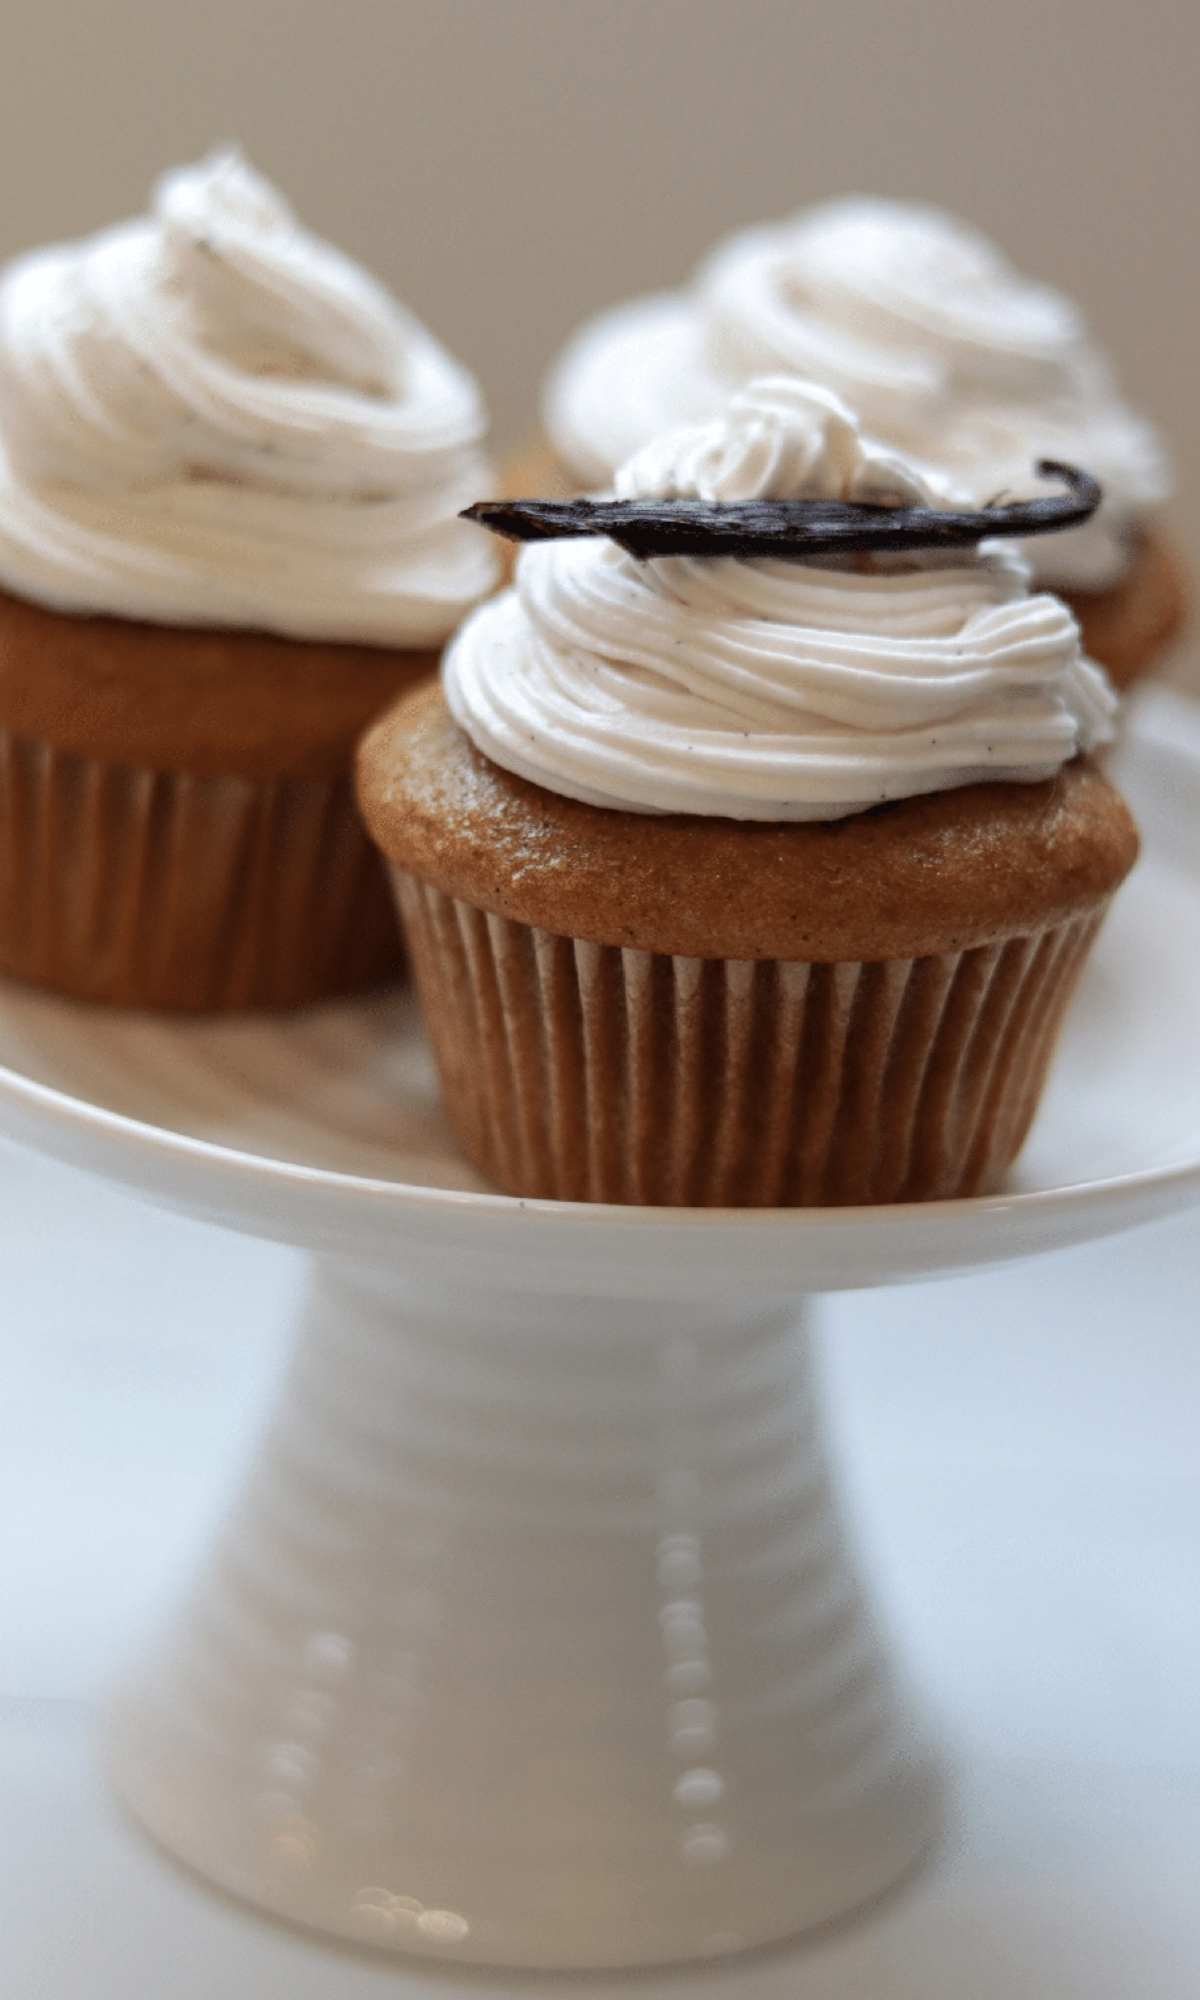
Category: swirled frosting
<point>768,689</point>
<point>210,417</point>
<point>941,347</point>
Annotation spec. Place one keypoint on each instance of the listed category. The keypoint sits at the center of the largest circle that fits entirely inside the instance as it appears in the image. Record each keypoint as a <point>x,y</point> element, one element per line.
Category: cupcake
<point>230,470</point>
<point>945,352</point>
<point>743,880</point>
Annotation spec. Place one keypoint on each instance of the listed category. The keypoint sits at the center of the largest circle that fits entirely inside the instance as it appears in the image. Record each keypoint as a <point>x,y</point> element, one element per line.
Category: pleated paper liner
<point>163,889</point>
<point>588,1072</point>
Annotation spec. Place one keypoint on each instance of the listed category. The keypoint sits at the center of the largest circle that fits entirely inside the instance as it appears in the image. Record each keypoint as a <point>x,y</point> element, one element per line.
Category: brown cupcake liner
<point>167,889</point>
<point>588,1072</point>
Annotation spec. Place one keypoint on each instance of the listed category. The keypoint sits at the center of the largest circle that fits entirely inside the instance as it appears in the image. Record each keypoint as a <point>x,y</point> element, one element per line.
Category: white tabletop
<point>1023,1449</point>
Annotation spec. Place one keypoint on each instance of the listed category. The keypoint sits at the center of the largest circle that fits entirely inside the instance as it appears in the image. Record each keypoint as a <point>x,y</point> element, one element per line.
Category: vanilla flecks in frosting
<point>768,689</point>
<point>940,346</point>
<point>210,417</point>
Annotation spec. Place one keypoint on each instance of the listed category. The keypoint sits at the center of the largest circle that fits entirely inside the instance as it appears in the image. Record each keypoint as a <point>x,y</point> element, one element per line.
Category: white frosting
<point>210,417</point>
<point>779,438</point>
<point>765,689</point>
<point>942,348</point>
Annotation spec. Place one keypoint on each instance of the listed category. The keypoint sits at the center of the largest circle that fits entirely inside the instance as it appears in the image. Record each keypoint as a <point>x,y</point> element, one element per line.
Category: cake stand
<point>534,1637</point>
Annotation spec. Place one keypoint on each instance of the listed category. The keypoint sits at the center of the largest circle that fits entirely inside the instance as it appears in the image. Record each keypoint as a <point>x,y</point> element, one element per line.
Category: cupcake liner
<point>588,1072</point>
<point>166,889</point>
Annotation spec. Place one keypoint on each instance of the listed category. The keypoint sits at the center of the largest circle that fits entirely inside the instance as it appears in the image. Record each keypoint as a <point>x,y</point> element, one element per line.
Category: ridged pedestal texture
<point>533,1641</point>
<point>168,889</point>
<point>581,1071</point>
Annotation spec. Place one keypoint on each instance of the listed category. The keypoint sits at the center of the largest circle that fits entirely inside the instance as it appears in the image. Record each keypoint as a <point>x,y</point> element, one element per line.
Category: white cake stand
<point>533,1638</point>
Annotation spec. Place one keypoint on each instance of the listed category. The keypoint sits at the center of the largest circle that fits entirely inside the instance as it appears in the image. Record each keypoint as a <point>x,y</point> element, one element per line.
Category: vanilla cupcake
<point>752,881</point>
<point>230,470</point>
<point>944,350</point>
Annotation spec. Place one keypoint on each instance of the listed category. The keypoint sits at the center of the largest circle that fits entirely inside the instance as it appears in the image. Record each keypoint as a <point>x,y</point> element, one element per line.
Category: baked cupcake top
<point>942,347</point>
<point>770,689</point>
<point>208,416</point>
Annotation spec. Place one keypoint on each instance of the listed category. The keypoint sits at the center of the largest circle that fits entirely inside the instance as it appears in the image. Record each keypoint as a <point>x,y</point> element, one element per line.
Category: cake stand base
<point>534,1640</point>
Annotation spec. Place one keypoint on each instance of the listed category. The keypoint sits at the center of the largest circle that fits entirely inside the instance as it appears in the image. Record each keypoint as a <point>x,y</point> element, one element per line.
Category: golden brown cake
<point>694,1010</point>
<point>1130,627</point>
<point>533,469</point>
<point>837,977</point>
<point>177,826</point>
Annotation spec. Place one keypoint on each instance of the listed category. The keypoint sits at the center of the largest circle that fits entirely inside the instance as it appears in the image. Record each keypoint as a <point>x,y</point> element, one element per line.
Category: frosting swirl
<point>767,689</point>
<point>939,344</point>
<point>210,417</point>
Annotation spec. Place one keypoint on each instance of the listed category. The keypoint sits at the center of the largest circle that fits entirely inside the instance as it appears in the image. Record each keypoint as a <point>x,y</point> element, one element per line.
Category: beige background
<point>510,165</point>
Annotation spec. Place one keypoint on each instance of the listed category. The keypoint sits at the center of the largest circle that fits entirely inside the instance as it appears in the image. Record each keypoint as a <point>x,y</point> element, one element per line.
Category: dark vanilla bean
<point>790,529</point>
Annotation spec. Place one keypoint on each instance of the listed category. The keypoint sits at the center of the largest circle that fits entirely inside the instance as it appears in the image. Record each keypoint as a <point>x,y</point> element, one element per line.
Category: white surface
<point>1023,1446</point>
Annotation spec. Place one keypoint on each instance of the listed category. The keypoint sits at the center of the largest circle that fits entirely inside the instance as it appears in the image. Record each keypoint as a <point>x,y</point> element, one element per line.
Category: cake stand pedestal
<point>534,1638</point>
